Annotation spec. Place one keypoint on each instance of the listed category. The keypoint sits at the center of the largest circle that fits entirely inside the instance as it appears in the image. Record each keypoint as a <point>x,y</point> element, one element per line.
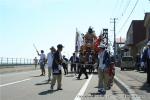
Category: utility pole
<point>115,38</point>
<point>115,51</point>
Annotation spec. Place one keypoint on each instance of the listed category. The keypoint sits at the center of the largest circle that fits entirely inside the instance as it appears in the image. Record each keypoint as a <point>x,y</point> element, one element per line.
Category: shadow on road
<point>116,92</point>
<point>43,83</point>
<point>47,92</point>
<point>142,72</point>
<point>96,94</point>
<point>96,87</point>
<point>36,76</point>
<point>146,87</point>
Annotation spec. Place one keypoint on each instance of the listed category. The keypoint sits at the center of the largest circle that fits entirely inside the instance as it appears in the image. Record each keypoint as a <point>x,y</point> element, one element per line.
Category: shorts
<point>42,65</point>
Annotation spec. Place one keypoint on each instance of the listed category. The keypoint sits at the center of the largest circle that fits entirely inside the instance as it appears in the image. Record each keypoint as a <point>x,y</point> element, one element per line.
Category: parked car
<point>127,62</point>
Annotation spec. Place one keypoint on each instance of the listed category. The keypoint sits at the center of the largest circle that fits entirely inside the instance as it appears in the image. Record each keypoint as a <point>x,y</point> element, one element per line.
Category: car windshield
<point>127,59</point>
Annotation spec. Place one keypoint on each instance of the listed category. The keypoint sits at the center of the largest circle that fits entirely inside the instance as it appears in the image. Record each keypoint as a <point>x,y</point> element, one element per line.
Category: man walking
<point>56,68</point>
<point>82,67</point>
<point>42,62</point>
<point>65,65</point>
<point>50,56</point>
<point>35,62</point>
<point>103,65</point>
<point>74,60</point>
<point>146,59</point>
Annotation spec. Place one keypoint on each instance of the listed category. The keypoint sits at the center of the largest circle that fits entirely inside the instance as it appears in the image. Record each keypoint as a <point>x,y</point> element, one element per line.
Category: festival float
<point>88,44</point>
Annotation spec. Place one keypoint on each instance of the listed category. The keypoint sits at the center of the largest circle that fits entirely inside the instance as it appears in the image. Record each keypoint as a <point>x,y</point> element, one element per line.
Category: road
<point>136,81</point>
<point>30,86</point>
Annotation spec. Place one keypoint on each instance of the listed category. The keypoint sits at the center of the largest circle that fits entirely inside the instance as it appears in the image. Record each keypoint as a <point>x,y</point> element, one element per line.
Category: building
<point>147,26</point>
<point>120,42</point>
<point>135,38</point>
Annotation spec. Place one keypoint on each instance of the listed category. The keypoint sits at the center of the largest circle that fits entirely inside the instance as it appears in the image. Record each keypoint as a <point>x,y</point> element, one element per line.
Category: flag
<point>78,41</point>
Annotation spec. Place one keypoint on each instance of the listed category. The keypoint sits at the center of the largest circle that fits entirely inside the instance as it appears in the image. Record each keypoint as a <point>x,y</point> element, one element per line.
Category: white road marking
<point>82,90</point>
<point>15,82</point>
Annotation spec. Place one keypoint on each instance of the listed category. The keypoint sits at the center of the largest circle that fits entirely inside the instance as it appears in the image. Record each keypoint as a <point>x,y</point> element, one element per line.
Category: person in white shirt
<point>103,65</point>
<point>35,62</point>
<point>50,56</point>
<point>42,62</point>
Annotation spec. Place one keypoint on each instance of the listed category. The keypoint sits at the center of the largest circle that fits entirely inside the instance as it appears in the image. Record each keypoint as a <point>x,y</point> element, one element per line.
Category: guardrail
<point>15,61</point>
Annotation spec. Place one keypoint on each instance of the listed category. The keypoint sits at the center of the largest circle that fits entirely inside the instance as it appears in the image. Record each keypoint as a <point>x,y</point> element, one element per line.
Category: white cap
<point>148,43</point>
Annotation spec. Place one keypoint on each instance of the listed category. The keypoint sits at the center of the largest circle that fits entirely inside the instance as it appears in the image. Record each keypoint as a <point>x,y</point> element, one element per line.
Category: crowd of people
<point>104,65</point>
<point>142,61</point>
<point>55,62</point>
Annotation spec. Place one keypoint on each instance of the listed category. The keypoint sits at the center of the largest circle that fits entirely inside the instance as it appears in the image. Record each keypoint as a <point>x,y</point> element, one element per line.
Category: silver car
<point>127,62</point>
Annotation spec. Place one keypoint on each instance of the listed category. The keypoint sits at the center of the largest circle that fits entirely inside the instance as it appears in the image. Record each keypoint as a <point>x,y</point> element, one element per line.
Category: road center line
<point>15,82</point>
<point>82,90</point>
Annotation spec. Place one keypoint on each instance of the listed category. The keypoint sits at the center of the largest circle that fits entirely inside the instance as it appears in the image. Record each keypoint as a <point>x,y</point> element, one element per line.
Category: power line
<point>121,4</point>
<point>128,16</point>
<point>116,6</point>
<point>121,9</point>
<point>124,10</point>
<point>143,7</point>
<point>128,3</point>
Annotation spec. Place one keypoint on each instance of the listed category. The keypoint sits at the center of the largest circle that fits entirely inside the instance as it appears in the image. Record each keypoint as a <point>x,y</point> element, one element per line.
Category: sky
<point>47,23</point>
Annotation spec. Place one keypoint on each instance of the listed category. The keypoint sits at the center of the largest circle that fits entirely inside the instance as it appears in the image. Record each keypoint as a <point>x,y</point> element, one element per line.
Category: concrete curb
<point>126,89</point>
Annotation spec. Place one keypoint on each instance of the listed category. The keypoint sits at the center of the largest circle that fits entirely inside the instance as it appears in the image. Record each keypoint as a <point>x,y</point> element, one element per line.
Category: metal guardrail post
<point>12,60</point>
<point>30,61</point>
<point>16,61</point>
<point>20,60</point>
<point>24,60</point>
<point>7,60</point>
<point>1,60</point>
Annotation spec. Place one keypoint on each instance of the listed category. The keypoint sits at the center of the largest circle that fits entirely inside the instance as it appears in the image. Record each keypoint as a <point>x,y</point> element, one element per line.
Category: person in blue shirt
<point>146,59</point>
<point>56,68</point>
<point>103,65</point>
<point>74,60</point>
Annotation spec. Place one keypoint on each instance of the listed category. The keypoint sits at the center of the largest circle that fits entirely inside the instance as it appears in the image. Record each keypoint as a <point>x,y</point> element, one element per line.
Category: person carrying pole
<point>42,60</point>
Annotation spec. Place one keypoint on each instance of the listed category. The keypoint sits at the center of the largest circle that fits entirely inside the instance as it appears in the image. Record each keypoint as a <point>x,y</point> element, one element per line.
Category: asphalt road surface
<point>30,86</point>
<point>136,81</point>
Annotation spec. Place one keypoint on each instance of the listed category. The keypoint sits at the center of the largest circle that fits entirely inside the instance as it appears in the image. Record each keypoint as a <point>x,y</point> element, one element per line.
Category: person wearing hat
<point>146,59</point>
<point>56,68</point>
<point>103,65</point>
<point>42,62</point>
<point>50,56</point>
